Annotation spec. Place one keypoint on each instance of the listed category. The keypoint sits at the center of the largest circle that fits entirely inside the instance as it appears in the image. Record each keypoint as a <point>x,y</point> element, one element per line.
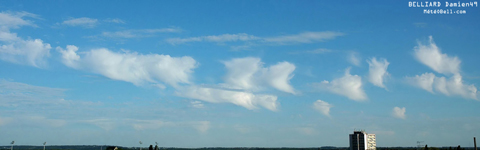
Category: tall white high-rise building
<point>361,140</point>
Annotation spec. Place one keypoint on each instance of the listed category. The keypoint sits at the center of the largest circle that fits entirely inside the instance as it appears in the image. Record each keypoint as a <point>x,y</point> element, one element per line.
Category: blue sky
<point>237,73</point>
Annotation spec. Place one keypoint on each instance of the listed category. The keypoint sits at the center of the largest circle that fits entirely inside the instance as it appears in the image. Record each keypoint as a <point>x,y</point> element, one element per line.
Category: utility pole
<point>475,143</point>
<point>13,142</point>
<point>419,145</point>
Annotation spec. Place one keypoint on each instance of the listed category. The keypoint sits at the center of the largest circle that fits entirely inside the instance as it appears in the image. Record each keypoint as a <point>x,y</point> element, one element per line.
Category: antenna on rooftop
<point>13,142</point>
<point>419,144</point>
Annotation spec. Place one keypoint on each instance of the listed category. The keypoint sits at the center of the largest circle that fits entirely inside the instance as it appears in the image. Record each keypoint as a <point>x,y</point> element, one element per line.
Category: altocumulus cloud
<point>452,86</point>
<point>322,107</point>
<point>139,33</point>
<point>431,56</point>
<point>249,74</point>
<point>214,38</point>
<point>245,99</point>
<point>245,78</point>
<point>16,94</point>
<point>398,112</point>
<point>377,71</point>
<point>348,85</point>
<point>83,22</point>
<point>353,58</point>
<point>245,75</point>
<point>14,49</point>
<point>304,37</point>
<point>131,67</point>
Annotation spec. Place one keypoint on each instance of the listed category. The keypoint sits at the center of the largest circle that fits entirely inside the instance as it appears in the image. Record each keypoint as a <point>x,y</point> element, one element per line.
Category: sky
<point>237,73</point>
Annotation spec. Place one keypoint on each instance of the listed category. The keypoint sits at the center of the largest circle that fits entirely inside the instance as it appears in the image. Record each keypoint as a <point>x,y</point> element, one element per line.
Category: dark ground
<point>97,147</point>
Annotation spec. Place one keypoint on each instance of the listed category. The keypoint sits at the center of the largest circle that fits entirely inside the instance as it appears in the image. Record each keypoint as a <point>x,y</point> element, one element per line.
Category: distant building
<point>112,148</point>
<point>361,140</point>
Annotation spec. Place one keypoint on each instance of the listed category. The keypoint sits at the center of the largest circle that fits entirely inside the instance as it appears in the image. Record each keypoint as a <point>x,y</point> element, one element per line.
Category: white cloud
<point>214,38</point>
<point>348,85</point>
<point>14,49</point>
<point>278,76</point>
<point>160,86</point>
<point>354,58</point>
<point>244,99</point>
<point>398,112</point>
<point>69,56</point>
<point>315,51</point>
<point>84,22</point>
<point>431,56</point>
<point>15,20</point>
<point>249,74</point>
<point>452,86</point>
<point>319,51</point>
<point>15,94</point>
<point>377,71</point>
<point>455,86</point>
<point>242,71</point>
<point>305,37</point>
<point>132,67</point>
<point>244,76</point>
<point>196,104</point>
<point>322,107</point>
<point>26,52</point>
<point>115,20</point>
<point>139,33</point>
<point>424,81</point>
<point>201,126</point>
<point>7,36</point>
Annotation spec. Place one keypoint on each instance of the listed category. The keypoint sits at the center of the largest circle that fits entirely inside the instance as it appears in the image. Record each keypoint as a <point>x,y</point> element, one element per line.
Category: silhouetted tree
<point>426,147</point>
<point>156,147</point>
<point>150,148</point>
<point>459,148</point>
